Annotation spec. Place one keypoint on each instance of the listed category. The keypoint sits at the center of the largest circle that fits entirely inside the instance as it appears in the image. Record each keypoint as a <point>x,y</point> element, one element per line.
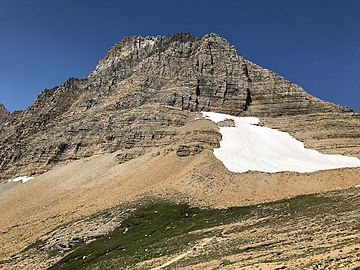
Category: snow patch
<point>249,147</point>
<point>23,179</point>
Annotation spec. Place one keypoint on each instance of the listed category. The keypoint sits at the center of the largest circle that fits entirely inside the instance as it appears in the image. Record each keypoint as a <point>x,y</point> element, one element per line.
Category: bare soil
<point>82,188</point>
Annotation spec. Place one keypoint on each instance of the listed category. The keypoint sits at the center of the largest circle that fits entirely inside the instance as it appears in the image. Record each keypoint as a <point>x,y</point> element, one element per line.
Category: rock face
<point>203,74</point>
<point>4,114</point>
<point>146,88</point>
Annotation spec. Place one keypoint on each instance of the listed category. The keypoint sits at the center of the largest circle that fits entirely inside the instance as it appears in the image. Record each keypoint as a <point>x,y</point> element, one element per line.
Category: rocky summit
<point>145,87</point>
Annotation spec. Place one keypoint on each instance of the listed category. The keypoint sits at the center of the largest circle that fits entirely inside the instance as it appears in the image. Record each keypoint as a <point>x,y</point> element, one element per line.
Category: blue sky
<point>314,43</point>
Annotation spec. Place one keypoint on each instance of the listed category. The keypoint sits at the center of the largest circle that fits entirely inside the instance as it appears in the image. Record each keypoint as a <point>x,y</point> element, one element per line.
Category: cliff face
<point>146,87</point>
<point>201,74</point>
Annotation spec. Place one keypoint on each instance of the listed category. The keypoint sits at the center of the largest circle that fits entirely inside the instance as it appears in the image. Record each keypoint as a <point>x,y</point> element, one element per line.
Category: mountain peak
<point>139,92</point>
<point>137,48</point>
<point>207,74</point>
<point>214,36</point>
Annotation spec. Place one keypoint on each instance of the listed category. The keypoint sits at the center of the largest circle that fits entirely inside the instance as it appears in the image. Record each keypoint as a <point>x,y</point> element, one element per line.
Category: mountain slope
<point>305,232</point>
<point>87,186</point>
<point>145,85</point>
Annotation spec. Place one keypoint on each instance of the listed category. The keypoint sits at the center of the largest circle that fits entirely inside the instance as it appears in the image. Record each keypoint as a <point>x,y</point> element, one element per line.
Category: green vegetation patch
<point>146,234</point>
<point>162,228</point>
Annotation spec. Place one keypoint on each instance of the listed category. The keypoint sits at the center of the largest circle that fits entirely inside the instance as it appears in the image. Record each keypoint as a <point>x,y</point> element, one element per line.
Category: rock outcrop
<point>4,114</point>
<point>145,88</point>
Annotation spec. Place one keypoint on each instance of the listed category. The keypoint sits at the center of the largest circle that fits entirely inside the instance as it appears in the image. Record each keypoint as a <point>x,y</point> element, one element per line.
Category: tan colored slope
<point>70,191</point>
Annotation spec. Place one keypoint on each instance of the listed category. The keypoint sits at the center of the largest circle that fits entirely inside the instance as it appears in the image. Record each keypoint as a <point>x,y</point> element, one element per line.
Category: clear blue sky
<point>314,43</point>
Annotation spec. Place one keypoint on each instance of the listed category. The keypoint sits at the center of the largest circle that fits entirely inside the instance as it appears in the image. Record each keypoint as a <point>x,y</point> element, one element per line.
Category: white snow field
<point>248,147</point>
<point>23,179</point>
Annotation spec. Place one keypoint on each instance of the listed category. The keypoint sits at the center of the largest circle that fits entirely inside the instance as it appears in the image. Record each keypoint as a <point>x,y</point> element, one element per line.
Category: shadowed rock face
<point>4,114</point>
<point>144,88</point>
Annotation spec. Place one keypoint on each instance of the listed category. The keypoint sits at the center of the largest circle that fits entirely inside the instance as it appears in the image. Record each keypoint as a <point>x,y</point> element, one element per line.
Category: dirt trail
<point>202,244</point>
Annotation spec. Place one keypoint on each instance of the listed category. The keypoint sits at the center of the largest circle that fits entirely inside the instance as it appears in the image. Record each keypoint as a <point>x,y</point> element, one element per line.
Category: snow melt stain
<point>23,179</point>
<point>249,147</point>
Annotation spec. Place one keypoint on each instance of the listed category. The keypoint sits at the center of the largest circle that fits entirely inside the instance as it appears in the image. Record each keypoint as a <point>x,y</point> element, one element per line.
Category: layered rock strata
<point>146,87</point>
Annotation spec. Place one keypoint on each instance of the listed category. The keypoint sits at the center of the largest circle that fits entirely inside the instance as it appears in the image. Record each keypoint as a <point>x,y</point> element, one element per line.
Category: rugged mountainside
<point>4,114</point>
<point>131,149</point>
<point>145,87</point>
